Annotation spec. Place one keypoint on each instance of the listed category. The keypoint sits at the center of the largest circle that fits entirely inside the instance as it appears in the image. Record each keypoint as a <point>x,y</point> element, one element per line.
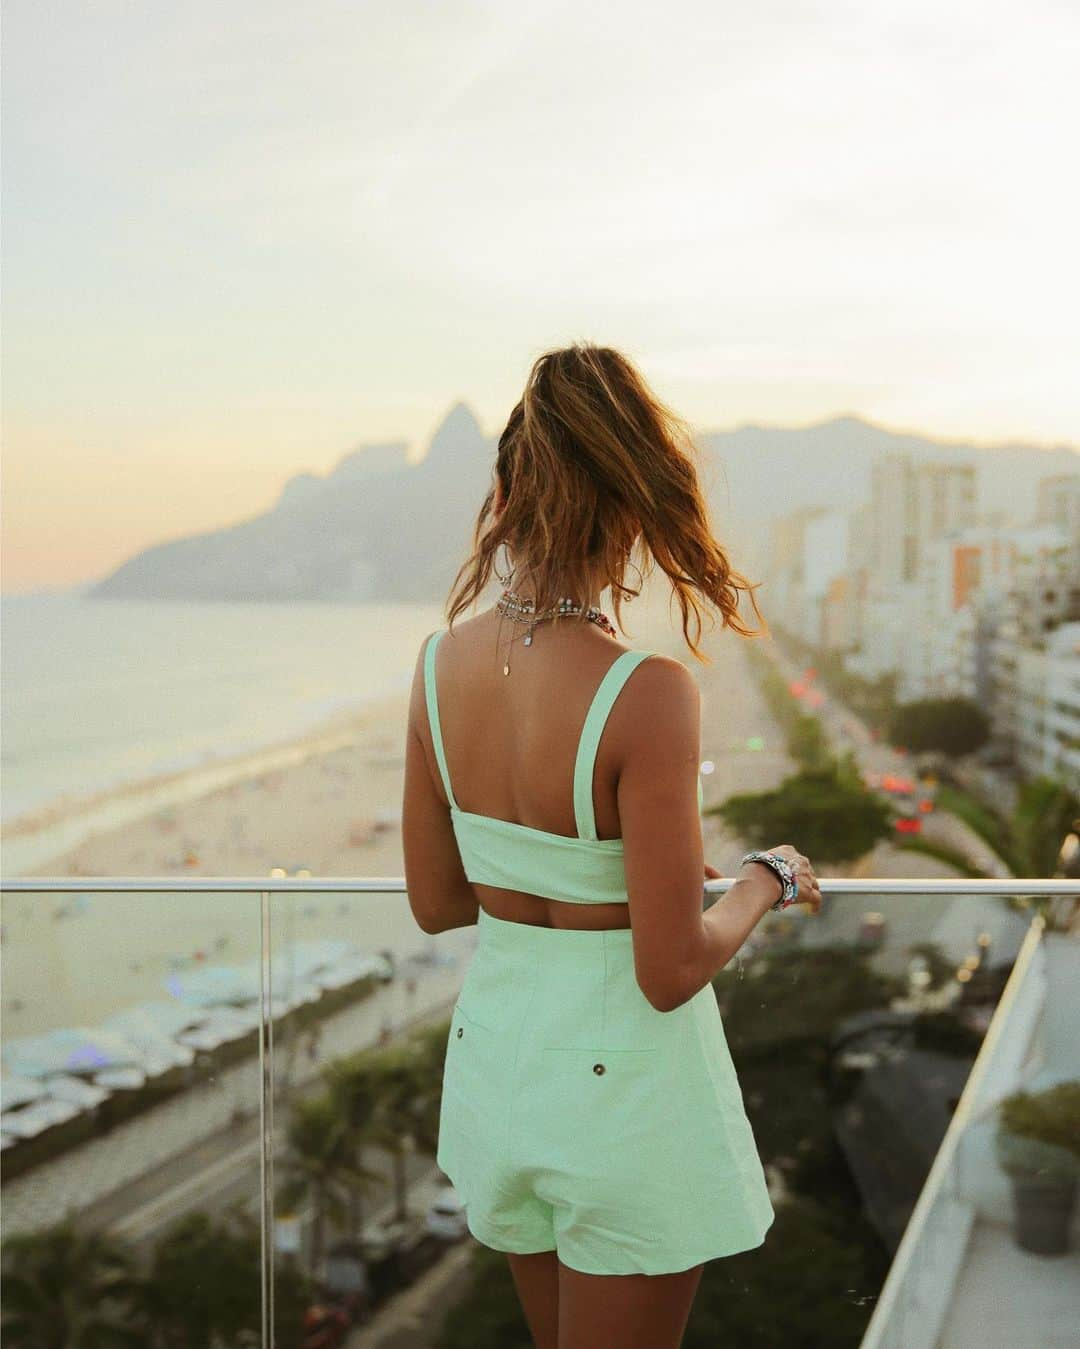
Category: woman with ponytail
<point>591,1118</point>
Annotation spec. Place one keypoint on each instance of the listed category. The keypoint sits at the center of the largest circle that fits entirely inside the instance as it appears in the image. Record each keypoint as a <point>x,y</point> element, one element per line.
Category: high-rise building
<point>913,503</point>
<point>1058,503</point>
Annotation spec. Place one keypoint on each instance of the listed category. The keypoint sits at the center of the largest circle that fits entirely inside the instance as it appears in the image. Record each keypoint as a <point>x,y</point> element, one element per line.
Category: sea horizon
<point>112,709</point>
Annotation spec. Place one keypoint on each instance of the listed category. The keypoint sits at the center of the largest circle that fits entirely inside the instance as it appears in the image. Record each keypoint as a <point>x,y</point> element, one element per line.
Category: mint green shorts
<point>577,1118</point>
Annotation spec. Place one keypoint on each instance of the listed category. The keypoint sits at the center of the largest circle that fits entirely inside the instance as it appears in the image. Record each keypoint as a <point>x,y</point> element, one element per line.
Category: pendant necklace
<point>520,610</point>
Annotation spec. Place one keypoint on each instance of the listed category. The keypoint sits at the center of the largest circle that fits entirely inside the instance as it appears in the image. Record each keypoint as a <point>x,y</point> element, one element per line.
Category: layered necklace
<point>521,610</point>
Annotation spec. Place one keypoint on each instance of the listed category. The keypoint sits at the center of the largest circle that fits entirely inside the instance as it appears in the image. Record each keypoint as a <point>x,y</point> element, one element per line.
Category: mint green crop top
<point>582,869</point>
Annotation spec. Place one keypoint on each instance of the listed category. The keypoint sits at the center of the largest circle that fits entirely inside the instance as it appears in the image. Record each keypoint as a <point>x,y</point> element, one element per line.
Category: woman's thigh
<point>536,1278</point>
<point>633,1311</point>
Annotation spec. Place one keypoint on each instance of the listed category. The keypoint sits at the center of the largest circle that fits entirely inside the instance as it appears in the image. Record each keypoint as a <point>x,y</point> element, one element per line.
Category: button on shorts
<point>577,1118</point>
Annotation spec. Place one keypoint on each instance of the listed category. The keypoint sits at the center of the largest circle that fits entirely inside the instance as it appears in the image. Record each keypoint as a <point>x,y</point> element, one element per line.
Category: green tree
<point>778,1018</point>
<point>319,1166</point>
<point>397,1076</point>
<point>827,812</point>
<point>953,726</point>
<point>808,744</point>
<point>67,1289</point>
<point>788,1002</point>
<point>353,1085</point>
<point>204,1285</point>
<point>809,1285</point>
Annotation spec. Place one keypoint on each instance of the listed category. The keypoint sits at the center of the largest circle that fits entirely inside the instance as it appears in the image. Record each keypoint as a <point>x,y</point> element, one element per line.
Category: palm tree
<point>354,1088</point>
<point>203,1284</point>
<point>397,1083</point>
<point>67,1289</point>
<point>1027,842</point>
<point>319,1166</point>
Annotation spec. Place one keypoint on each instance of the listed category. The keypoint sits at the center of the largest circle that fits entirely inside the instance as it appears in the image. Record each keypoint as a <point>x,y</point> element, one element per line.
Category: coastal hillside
<point>378,528</point>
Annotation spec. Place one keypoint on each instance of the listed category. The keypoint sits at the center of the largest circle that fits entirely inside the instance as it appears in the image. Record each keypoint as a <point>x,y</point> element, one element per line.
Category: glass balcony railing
<point>220,1100</point>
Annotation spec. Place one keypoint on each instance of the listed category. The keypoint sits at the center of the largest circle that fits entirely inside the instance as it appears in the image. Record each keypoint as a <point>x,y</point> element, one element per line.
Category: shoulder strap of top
<point>612,682</point>
<point>433,712</point>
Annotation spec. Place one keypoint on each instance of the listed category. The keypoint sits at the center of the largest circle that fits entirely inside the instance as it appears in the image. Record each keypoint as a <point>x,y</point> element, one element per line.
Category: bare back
<point>510,743</point>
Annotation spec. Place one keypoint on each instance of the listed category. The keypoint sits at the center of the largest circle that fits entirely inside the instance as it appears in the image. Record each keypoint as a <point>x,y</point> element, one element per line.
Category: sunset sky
<point>240,240</point>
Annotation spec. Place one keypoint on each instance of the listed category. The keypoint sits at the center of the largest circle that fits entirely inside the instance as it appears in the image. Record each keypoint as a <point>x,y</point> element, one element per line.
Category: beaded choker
<point>521,610</point>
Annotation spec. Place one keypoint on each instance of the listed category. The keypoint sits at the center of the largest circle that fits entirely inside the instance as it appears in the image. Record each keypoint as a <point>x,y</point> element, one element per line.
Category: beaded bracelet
<point>783,869</point>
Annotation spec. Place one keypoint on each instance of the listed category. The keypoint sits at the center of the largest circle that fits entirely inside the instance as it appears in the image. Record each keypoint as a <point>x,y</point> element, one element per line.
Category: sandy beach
<point>335,811</point>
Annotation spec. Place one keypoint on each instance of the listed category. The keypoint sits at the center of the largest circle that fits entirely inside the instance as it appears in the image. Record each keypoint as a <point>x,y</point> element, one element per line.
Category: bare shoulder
<point>660,706</point>
<point>663,685</point>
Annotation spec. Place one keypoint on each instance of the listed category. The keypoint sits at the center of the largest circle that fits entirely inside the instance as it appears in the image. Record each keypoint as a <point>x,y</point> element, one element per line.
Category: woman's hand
<point>809,890</point>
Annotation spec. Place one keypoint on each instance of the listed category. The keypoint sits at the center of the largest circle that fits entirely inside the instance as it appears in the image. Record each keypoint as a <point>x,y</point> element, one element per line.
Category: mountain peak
<point>458,430</point>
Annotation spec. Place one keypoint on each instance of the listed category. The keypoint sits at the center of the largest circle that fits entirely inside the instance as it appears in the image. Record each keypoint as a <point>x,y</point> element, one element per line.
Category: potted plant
<point>1038,1145</point>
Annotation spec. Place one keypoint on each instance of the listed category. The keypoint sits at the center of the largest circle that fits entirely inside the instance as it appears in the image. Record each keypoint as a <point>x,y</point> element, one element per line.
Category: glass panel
<point>131,1116</point>
<point>363,1000</point>
<point>854,1034</point>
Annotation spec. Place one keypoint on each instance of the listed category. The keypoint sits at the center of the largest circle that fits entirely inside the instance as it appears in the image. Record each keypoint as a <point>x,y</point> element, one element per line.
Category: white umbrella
<point>70,1049</point>
<point>15,1091</point>
<point>35,1119</point>
<point>162,1017</point>
<point>130,1078</point>
<point>62,1087</point>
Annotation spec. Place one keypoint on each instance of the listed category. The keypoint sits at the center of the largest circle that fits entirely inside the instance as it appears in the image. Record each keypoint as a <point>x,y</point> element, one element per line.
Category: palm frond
<point>994,829</point>
<point>952,857</point>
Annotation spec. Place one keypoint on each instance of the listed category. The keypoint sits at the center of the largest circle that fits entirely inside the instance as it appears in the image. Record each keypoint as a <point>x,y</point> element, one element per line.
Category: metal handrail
<point>866,887</point>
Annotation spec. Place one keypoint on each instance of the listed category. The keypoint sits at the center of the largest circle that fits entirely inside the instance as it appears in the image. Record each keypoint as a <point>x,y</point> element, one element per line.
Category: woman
<point>591,1118</point>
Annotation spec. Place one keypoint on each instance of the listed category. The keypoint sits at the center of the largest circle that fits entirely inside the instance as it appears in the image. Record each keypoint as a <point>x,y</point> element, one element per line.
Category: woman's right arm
<point>678,949</point>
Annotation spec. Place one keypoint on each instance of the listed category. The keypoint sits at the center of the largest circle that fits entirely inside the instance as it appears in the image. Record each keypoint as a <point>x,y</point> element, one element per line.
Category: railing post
<point>266,1120</point>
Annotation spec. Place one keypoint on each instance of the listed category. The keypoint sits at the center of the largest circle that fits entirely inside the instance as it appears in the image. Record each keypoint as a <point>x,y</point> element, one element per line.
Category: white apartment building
<point>1046,721</point>
<point>1058,503</point>
<point>912,503</point>
<point>907,622</point>
<point>910,584</point>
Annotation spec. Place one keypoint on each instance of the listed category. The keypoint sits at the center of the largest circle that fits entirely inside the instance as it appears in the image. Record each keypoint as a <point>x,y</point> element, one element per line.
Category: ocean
<point>98,696</point>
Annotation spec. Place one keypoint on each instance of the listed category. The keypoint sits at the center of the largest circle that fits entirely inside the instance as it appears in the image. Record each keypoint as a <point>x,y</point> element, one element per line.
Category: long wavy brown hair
<point>593,466</point>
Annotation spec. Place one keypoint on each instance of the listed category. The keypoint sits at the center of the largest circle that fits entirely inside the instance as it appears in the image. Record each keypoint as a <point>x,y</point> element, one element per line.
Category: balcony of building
<point>168,1042</point>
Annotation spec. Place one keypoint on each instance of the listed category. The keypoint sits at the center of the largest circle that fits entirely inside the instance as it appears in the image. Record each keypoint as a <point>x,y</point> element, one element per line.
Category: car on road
<point>446,1215</point>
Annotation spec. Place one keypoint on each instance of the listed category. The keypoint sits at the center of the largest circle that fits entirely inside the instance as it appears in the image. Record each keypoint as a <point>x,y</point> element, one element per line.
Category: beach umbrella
<point>34,1119</point>
<point>216,1031</point>
<point>63,1087</point>
<point>158,1051</point>
<point>71,1049</point>
<point>130,1078</point>
<point>286,981</point>
<point>314,954</point>
<point>15,1091</point>
<point>162,1017</point>
<point>214,985</point>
